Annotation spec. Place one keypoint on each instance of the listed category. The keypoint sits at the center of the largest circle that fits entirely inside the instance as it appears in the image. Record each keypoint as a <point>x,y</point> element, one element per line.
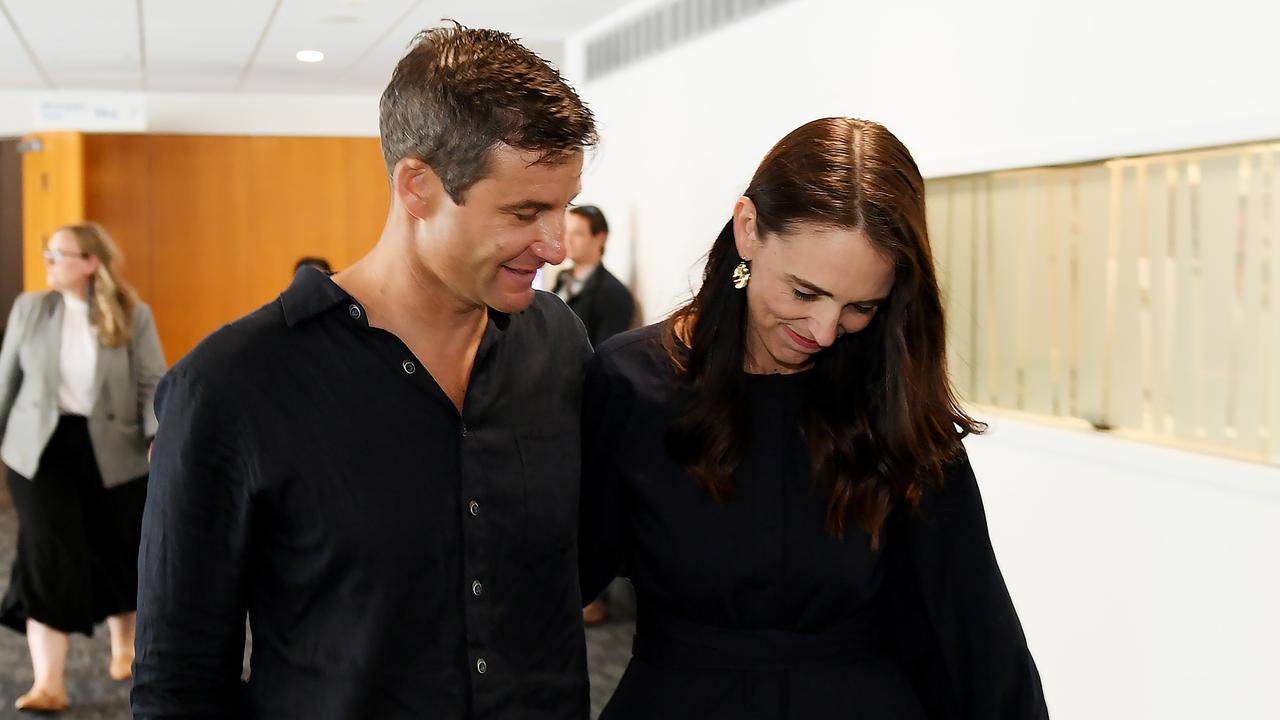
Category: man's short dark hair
<point>318,263</point>
<point>594,216</point>
<point>459,92</point>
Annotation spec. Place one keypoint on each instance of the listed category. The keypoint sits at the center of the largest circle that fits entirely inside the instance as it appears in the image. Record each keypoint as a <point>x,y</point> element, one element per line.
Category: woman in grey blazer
<point>78,373</point>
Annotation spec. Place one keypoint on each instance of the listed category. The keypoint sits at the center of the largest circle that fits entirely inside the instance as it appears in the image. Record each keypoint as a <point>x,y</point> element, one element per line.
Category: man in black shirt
<point>381,467</point>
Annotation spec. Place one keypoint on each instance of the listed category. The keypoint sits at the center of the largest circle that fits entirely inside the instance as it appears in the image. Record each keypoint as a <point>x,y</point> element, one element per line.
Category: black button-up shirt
<point>396,558</point>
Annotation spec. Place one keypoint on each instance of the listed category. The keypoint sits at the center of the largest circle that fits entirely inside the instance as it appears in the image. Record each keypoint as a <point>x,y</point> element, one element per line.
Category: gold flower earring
<point>741,275</point>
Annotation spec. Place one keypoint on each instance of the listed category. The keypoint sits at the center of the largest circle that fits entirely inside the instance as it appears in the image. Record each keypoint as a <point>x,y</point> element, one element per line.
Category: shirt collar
<point>310,293</point>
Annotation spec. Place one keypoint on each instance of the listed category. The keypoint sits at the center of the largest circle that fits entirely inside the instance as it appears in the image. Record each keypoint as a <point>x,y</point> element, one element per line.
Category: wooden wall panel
<point>198,222</point>
<point>52,195</point>
<point>10,225</point>
<point>210,226</point>
<point>229,217</point>
<point>297,206</point>
<point>368,197</point>
<point>117,191</point>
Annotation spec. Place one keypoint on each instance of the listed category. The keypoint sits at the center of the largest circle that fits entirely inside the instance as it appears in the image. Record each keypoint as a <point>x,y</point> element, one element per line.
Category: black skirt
<point>77,553</point>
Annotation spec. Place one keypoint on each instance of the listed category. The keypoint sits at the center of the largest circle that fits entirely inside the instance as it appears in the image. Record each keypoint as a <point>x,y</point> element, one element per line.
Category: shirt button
<point>465,432</point>
<point>409,367</point>
<point>354,311</point>
<point>482,667</point>
<point>474,507</point>
<point>477,589</point>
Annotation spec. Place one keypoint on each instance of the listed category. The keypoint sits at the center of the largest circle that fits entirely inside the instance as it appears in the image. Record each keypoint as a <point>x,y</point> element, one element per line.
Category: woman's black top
<point>750,608</point>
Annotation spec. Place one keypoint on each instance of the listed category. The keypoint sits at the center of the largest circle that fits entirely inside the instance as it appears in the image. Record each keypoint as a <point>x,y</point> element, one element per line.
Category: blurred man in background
<point>600,299</point>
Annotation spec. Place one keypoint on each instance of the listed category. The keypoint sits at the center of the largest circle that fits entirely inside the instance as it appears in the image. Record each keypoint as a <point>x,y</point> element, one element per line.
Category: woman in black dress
<point>78,372</point>
<point>778,468</point>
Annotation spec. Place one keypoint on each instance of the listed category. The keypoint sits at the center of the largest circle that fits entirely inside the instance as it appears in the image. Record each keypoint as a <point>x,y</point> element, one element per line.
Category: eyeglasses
<point>54,255</point>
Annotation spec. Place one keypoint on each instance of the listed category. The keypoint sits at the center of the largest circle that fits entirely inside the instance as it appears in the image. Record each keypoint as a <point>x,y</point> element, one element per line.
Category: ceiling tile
<point>209,46</point>
<point>201,43</point>
<point>16,69</point>
<point>72,37</point>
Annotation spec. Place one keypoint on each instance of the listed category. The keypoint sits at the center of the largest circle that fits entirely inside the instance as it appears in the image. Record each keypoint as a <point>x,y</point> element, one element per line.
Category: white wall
<point>224,114</point>
<point>967,86</point>
<point>1146,578</point>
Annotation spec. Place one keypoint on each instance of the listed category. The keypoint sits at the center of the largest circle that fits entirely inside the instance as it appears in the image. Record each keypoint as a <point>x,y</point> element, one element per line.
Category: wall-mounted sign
<point>90,111</point>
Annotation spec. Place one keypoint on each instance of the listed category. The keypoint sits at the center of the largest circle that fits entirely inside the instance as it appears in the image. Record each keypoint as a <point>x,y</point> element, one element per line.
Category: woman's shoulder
<point>642,346</point>
<point>636,358</point>
<point>28,305</point>
<point>632,374</point>
<point>34,298</point>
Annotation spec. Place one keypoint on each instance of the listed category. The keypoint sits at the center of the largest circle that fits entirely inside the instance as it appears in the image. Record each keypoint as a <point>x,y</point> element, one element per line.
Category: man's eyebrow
<point>532,205</point>
<point>528,205</point>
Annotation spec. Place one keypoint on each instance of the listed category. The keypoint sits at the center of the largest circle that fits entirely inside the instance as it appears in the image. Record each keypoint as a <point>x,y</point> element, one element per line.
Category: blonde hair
<point>111,299</point>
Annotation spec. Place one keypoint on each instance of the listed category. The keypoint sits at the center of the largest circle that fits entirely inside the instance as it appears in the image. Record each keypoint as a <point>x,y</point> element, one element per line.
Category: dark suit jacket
<point>604,305</point>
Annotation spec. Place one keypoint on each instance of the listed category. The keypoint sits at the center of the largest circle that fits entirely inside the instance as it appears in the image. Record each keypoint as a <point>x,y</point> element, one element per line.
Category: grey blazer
<point>123,420</point>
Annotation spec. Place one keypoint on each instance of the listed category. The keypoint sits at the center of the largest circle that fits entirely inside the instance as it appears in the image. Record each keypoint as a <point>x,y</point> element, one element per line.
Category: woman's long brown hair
<point>881,418</point>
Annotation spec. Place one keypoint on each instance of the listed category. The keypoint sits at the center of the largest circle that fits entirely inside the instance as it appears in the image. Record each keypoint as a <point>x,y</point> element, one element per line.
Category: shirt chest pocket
<point>550,467</point>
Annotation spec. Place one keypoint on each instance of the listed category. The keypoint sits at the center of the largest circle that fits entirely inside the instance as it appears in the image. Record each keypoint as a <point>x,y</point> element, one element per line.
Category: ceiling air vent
<point>661,27</point>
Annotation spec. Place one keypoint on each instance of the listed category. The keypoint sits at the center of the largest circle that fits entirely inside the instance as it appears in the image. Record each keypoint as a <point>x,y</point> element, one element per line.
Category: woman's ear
<point>746,232</point>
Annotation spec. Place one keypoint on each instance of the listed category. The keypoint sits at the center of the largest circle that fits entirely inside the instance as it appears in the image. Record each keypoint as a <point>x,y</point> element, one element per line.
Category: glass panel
<point>1136,294</point>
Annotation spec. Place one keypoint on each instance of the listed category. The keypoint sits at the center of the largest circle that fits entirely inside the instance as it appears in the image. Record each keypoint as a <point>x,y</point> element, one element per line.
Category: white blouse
<point>78,359</point>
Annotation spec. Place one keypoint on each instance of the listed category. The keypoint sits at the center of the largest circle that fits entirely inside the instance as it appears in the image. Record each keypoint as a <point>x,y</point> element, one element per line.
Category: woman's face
<point>809,286</point>
<point>67,268</point>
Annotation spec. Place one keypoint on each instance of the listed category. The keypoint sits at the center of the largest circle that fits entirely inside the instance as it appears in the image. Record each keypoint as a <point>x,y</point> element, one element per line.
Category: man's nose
<point>550,245</point>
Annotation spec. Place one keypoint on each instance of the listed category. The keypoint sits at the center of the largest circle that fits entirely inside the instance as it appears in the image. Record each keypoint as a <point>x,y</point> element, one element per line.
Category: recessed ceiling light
<point>309,56</point>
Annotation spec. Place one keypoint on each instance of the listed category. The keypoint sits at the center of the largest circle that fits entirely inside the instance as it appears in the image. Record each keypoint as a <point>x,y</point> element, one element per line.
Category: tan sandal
<point>42,700</point>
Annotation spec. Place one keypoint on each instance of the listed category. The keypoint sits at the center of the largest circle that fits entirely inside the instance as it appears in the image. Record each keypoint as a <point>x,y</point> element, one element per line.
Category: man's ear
<point>417,187</point>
